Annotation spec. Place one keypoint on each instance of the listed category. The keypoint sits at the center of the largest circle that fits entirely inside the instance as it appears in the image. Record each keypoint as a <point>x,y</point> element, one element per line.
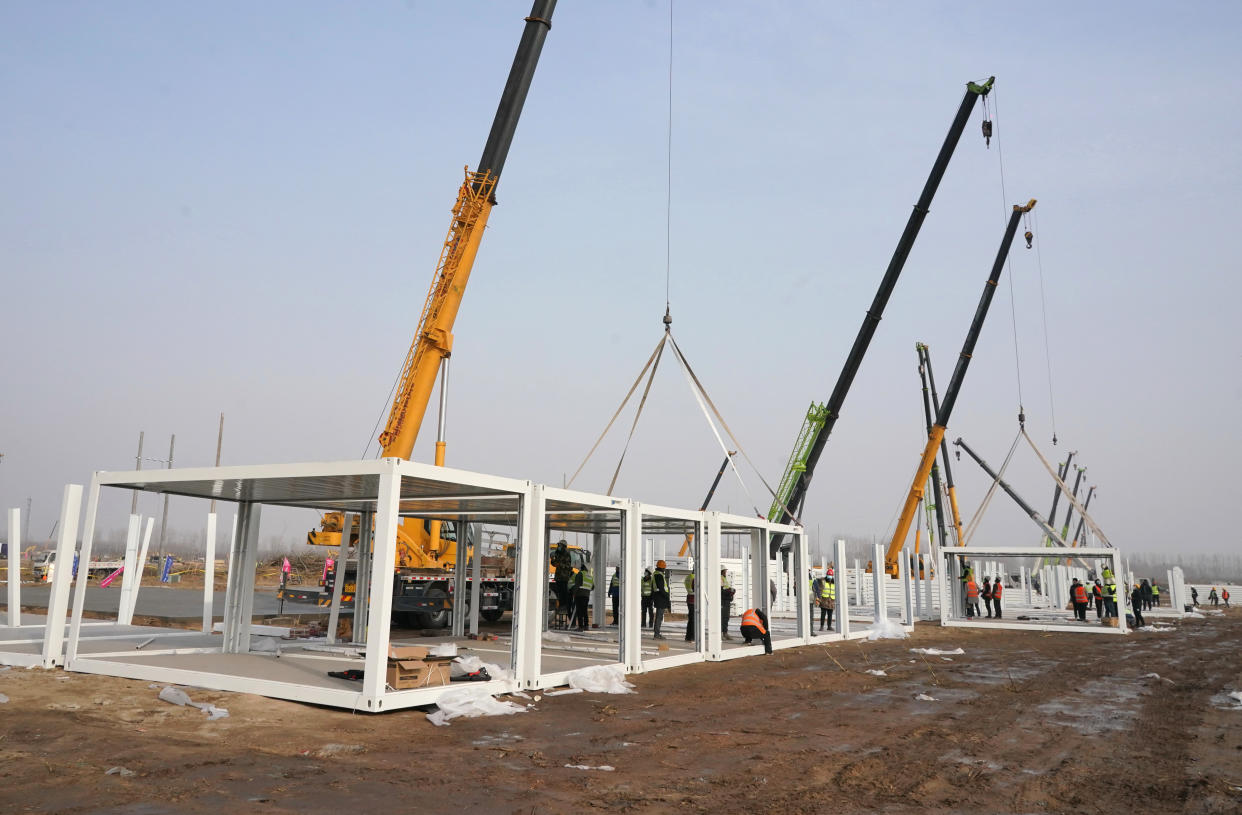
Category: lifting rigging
<point>934,438</point>
<point>802,479</point>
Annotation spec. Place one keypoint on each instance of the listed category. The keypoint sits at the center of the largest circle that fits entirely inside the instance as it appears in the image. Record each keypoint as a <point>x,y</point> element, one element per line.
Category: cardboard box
<point>410,667</point>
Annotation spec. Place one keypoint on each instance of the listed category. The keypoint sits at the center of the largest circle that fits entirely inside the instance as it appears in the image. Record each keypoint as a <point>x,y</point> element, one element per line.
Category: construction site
<point>556,581</point>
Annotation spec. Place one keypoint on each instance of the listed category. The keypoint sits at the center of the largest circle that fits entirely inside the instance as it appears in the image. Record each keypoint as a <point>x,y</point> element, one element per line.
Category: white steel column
<point>476,583</point>
<point>842,623</point>
<point>457,616</point>
<point>15,568</point>
<point>209,568</point>
<point>362,578</point>
<point>58,601</point>
<point>1121,600</point>
<point>878,579</point>
<point>903,572</point>
<point>858,583</point>
<point>382,567</point>
<point>800,556</point>
<point>239,597</point>
<point>599,567</point>
<point>132,537</point>
<point>707,587</point>
<point>630,630</point>
<point>340,567</point>
<point>129,591</point>
<point>530,587</point>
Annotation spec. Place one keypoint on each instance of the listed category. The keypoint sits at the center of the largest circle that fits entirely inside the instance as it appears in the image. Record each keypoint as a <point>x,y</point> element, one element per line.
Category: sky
<point>237,208</point>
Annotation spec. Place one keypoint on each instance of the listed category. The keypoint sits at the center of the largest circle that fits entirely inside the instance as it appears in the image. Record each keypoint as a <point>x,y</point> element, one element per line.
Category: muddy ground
<point>1022,722</point>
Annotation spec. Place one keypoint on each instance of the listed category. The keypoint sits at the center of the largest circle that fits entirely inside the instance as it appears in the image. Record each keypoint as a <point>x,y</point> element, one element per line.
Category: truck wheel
<point>492,614</point>
<point>435,619</point>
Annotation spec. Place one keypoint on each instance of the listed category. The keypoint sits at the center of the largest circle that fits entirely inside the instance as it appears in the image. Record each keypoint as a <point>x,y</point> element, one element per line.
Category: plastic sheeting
<point>600,679</point>
<point>470,703</point>
<point>886,630</point>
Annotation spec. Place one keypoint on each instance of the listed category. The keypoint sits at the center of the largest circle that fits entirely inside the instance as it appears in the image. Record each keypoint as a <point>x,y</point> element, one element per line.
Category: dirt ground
<point>1021,723</point>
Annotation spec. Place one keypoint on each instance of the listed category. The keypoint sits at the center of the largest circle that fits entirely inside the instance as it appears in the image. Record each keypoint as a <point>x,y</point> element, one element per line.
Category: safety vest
<point>588,580</point>
<point>1155,590</point>
<point>972,590</point>
<point>1080,593</point>
<point>1107,575</point>
<point>1110,589</point>
<point>660,583</point>
<point>724,581</point>
<point>1097,592</point>
<point>828,590</point>
<point>647,586</point>
<point>612,584</point>
<point>751,617</point>
<point>997,590</point>
<point>1224,594</point>
<point>689,581</point>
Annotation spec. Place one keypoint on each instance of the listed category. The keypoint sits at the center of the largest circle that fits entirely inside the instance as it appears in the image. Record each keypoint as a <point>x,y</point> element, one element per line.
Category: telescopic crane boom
<point>797,495</point>
<point>921,349</point>
<point>944,451</point>
<point>934,438</point>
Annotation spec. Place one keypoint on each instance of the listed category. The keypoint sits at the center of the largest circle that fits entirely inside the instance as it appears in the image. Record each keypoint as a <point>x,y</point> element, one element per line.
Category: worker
<point>726,600</point>
<point>1145,592</point>
<point>997,590</point>
<point>755,627</point>
<point>1213,598</point>
<point>1078,594</point>
<point>659,598</point>
<point>987,595</point>
<point>564,570</point>
<point>972,596</point>
<point>1194,596</point>
<point>1097,593</point>
<point>825,595</point>
<point>648,611</point>
<point>690,613</point>
<point>1110,593</point>
<point>1155,594</point>
<point>614,592</point>
<point>584,581</point>
<point>1136,605</point>
<point>1224,595</point>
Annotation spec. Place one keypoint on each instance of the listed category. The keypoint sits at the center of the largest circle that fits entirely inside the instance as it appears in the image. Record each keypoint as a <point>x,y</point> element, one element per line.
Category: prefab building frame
<point>390,489</point>
<point>950,572</point>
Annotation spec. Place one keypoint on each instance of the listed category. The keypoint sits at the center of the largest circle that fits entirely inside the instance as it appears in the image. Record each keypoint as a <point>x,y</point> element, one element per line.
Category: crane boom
<point>944,451</point>
<point>919,349</point>
<point>974,91</point>
<point>934,438</point>
<point>433,340</point>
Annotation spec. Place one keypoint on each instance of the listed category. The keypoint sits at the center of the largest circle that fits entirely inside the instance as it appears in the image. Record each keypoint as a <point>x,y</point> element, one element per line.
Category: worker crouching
<point>755,627</point>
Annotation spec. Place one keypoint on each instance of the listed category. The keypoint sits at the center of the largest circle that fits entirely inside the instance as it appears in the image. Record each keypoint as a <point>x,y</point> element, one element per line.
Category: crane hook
<point>668,319</point>
<point>987,132</point>
<point>1054,439</point>
<point>1022,418</point>
<point>1030,236</point>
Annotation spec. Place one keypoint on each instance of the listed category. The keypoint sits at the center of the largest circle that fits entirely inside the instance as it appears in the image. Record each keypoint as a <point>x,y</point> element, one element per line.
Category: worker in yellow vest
<point>648,609</point>
<point>755,627</point>
<point>584,581</point>
<point>726,600</point>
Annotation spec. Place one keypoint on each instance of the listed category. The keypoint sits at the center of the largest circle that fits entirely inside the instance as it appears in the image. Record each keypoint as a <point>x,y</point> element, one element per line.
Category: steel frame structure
<point>948,571</point>
<point>392,489</point>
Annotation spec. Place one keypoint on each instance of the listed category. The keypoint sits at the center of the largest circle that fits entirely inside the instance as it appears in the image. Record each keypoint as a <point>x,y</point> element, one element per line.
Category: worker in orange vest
<point>1078,594</point>
<point>997,590</point>
<point>972,597</point>
<point>755,627</point>
<point>1224,595</point>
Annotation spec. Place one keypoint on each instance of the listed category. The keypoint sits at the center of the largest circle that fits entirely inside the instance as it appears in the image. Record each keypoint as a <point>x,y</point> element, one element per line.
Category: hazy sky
<point>237,208</point>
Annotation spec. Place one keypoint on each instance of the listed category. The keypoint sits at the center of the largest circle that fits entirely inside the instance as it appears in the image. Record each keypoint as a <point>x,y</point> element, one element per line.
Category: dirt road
<point>1021,722</point>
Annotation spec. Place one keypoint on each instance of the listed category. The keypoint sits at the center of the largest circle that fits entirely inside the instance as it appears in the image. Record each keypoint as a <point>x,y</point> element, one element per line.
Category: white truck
<point>44,568</point>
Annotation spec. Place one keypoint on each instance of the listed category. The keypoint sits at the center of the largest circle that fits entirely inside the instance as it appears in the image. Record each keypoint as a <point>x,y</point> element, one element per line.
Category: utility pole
<point>133,506</point>
<point>219,444</point>
<point>164,523</point>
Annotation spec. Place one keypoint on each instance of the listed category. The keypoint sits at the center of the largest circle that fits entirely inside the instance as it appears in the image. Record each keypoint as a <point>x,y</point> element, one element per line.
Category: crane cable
<point>1013,311</point>
<point>969,531</point>
<point>1052,406</point>
<point>668,189</point>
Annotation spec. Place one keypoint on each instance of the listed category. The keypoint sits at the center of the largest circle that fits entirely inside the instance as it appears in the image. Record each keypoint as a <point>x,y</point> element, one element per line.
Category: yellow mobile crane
<point>420,545</point>
<point>936,434</point>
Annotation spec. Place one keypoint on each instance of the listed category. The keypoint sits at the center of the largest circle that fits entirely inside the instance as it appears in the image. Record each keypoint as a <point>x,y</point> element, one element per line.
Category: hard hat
<point>660,564</point>
<point>561,544</point>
